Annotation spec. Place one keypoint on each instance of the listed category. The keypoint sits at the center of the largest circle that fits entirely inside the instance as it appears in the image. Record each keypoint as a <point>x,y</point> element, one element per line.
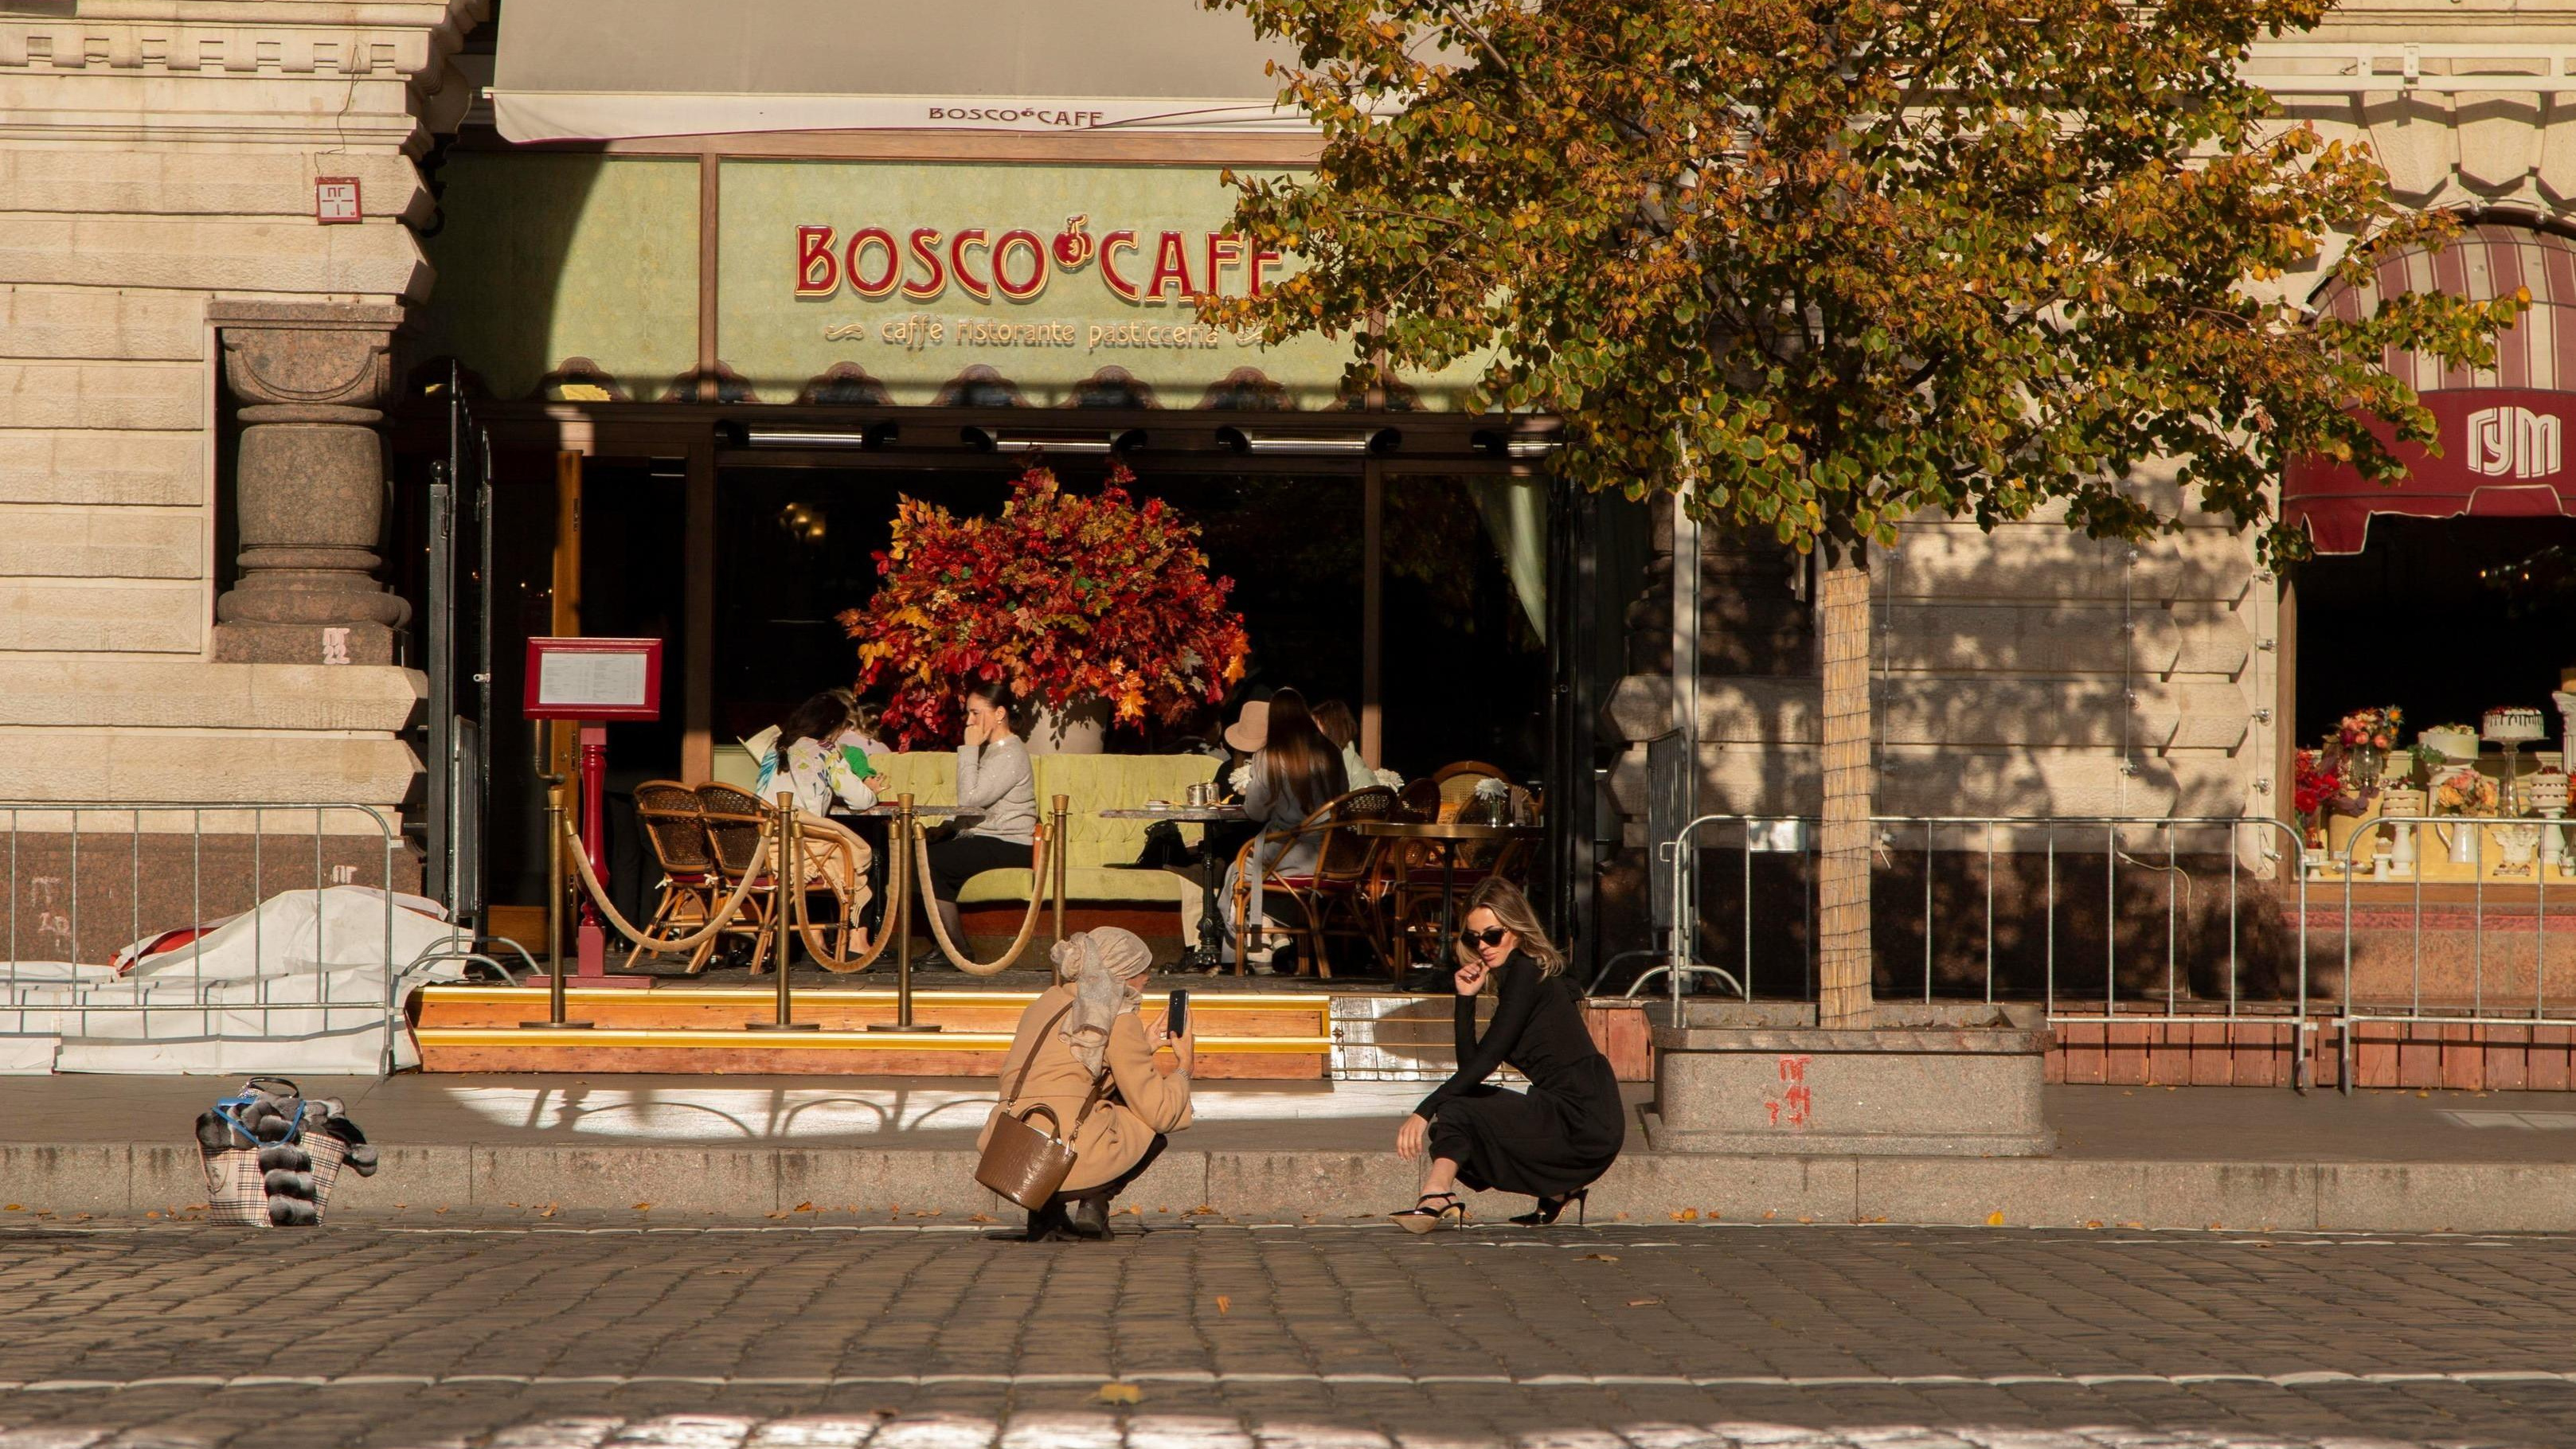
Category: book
<point>859,763</point>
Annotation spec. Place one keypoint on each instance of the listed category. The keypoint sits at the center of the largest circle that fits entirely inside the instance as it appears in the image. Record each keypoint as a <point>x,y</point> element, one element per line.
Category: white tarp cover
<point>299,985</point>
<point>608,69</point>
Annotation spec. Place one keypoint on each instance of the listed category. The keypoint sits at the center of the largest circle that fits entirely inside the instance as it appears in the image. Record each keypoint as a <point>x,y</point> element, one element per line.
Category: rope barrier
<point>897,900</point>
<point>1039,855</point>
<point>608,910</point>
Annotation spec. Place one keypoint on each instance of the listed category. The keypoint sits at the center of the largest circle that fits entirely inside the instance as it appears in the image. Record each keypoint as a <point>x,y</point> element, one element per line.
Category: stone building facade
<point>168,291</point>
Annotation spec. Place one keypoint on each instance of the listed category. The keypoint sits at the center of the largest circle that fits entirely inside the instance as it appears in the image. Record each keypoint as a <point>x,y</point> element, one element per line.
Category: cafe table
<point>1207,955</point>
<point>1448,837</point>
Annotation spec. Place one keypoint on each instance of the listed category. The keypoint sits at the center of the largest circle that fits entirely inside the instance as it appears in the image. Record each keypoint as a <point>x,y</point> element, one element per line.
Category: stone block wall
<point>157,161</point>
<point>157,165</point>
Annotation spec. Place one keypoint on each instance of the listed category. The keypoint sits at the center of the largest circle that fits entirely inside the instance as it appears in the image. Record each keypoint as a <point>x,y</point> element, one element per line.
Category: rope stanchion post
<point>555,887</point>
<point>787,891</point>
<point>904,841</point>
<point>1055,876</point>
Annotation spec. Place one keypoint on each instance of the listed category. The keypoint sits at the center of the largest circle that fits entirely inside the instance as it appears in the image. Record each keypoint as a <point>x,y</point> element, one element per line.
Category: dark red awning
<point>2504,431</point>
<point>2505,454</point>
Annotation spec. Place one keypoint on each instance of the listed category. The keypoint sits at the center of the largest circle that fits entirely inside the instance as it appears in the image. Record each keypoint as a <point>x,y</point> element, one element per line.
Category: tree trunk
<point>1843,860</point>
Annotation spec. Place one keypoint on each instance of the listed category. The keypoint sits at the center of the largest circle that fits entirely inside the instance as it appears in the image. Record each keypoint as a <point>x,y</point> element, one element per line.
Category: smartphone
<point>1176,1014</point>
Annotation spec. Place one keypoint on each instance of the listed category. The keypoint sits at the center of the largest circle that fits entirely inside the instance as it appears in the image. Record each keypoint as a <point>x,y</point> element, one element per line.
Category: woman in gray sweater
<point>993,777</point>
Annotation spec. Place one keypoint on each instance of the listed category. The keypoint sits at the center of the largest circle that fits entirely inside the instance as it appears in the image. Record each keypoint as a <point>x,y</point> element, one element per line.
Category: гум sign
<point>1017,264</point>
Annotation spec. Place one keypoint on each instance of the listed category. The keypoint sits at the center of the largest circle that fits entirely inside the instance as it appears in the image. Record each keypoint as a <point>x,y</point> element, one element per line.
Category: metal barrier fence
<point>278,965</point>
<point>2529,850</point>
<point>2100,919</point>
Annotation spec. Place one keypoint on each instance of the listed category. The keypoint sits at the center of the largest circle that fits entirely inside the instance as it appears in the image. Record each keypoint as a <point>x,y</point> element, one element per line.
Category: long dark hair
<point>1296,760</point>
<point>820,719</point>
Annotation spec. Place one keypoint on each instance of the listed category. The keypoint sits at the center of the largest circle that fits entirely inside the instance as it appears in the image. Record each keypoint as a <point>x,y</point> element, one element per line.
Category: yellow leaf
<point>1224,1304</point>
<point>1120,1394</point>
<point>643,1207</point>
<point>1686,1215</point>
<point>1995,1219</point>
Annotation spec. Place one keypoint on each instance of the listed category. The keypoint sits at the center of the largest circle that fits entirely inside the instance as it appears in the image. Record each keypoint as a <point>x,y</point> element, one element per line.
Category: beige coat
<point>1142,1101</point>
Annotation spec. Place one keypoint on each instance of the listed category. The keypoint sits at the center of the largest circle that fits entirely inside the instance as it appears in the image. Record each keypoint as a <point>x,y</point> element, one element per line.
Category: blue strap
<point>228,1108</point>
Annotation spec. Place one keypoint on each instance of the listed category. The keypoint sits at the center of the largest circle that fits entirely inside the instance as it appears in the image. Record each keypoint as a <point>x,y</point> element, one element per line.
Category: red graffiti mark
<point>1794,1104</point>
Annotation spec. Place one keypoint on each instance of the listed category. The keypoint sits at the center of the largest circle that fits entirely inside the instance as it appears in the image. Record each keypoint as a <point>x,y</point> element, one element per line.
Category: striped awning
<point>2500,427</point>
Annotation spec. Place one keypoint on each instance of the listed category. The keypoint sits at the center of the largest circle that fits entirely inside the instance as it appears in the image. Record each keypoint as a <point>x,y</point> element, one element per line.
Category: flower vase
<point>2553,842</point>
<point>2462,836</point>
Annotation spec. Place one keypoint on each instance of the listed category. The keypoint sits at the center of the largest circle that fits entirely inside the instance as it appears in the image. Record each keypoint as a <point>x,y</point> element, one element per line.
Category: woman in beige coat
<point>1085,1025</point>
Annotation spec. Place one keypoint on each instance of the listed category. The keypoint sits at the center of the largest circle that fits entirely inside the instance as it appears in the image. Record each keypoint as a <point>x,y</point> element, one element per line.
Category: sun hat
<point>1251,729</point>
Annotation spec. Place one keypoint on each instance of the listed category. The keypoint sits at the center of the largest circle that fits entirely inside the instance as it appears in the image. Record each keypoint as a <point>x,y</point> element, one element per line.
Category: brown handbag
<point>1022,1162</point>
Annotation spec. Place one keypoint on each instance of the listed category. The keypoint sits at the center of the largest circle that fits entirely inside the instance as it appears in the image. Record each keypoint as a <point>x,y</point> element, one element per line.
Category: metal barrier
<point>2191,871</point>
<point>91,883</point>
<point>2543,849</point>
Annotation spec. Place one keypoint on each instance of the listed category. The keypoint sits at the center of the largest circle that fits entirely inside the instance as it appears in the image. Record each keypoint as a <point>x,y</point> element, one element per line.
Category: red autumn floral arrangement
<point>1062,596</point>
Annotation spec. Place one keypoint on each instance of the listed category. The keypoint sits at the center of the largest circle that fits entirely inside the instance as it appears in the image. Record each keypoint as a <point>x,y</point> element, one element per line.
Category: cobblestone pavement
<point>506,1331</point>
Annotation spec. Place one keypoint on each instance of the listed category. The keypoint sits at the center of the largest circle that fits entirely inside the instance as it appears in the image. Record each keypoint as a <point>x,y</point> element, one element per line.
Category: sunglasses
<point>1490,936</point>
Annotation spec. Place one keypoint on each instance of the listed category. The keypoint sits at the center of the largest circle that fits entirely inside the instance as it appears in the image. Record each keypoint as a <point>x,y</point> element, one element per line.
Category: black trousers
<point>961,858</point>
<point>1116,1185</point>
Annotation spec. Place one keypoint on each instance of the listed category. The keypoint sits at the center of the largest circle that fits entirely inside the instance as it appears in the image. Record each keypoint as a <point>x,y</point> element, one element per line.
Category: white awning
<point>606,69</point>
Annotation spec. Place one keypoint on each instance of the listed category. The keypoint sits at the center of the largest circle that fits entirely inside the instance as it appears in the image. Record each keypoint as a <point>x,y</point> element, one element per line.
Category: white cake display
<point>2514,724</point>
<point>2456,742</point>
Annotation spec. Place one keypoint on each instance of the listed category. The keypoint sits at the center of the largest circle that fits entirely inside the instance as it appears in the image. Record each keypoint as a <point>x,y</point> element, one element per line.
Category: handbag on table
<point>1022,1161</point>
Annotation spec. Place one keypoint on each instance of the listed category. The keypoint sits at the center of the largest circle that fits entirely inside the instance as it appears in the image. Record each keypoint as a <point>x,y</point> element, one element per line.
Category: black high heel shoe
<point>1550,1207</point>
<point>1422,1217</point>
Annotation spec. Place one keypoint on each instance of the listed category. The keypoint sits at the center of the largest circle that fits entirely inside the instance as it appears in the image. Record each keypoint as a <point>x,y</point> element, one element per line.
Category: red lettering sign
<point>876,262</point>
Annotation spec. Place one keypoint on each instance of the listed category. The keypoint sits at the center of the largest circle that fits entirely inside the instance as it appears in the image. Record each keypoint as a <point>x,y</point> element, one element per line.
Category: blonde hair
<point>1512,911</point>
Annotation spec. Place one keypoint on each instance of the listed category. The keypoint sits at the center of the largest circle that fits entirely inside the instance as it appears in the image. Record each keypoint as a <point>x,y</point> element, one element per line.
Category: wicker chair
<point>1341,881</point>
<point>732,819</point>
<point>675,826</point>
<point>1411,885</point>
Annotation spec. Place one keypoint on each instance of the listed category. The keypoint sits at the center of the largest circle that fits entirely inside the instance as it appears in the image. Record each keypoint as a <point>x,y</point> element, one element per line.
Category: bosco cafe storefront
<point>712,368</point>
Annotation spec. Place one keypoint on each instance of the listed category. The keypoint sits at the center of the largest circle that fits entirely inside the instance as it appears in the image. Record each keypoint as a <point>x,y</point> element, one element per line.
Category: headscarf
<point>1102,966</point>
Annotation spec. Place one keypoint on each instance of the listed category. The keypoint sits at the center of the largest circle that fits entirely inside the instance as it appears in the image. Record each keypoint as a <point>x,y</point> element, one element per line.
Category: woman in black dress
<point>1552,1141</point>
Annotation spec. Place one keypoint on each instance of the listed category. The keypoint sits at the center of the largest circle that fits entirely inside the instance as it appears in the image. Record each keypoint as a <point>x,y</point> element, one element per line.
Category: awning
<point>607,69</point>
<point>2502,429</point>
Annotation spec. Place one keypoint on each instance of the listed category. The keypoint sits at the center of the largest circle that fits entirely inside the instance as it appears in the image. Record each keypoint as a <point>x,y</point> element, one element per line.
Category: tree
<point>1820,266</point>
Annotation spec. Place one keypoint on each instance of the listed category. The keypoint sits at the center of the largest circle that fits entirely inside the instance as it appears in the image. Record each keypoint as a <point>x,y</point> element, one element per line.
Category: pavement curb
<point>136,1177</point>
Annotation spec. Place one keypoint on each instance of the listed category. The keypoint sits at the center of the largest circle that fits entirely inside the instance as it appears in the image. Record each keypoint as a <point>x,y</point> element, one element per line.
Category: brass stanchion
<point>902,844</point>
<point>788,875</point>
<point>1055,864</point>
<point>554,914</point>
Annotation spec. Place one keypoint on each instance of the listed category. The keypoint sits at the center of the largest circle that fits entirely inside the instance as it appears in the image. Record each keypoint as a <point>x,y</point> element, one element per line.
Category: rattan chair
<point>1341,881</point>
<point>1410,889</point>
<point>675,826</point>
<point>732,818</point>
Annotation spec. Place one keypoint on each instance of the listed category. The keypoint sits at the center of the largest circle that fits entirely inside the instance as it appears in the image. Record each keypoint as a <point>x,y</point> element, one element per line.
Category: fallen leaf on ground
<point>980,1218</point>
<point>643,1207</point>
<point>774,1215</point>
<point>152,1215</point>
<point>1686,1215</point>
<point>1995,1219</point>
<point>440,1210</point>
<point>2092,1222</point>
<point>1224,1304</point>
<point>1643,1302</point>
<point>1120,1394</point>
<point>1601,1257</point>
<point>15,1208</point>
<point>804,1207</point>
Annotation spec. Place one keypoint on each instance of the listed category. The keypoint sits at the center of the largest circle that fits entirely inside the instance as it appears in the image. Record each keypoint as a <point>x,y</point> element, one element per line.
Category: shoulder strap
<point>1030,1060</point>
<point>1099,1090</point>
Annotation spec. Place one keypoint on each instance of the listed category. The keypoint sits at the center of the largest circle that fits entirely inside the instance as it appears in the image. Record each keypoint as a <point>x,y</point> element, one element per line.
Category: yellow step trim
<point>956,1041</point>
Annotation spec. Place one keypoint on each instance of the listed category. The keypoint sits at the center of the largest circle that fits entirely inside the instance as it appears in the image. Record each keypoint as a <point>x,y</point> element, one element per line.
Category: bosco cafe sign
<point>923,264</point>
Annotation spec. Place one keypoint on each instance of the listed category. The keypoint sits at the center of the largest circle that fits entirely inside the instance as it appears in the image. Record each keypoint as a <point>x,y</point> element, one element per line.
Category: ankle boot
<point>1091,1219</point>
<point>1049,1225</point>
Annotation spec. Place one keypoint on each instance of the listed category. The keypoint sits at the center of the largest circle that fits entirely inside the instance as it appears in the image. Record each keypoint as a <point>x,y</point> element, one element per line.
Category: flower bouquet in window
<point>1066,598</point>
<point>2365,737</point>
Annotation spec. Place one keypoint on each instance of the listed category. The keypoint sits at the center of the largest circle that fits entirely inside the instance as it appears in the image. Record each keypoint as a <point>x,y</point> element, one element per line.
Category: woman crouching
<point>1550,1142</point>
<point>1083,1031</point>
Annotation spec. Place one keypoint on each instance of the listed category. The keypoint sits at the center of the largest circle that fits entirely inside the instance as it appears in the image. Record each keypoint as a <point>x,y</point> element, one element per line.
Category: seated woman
<point>810,760</point>
<point>1552,1141</point>
<point>993,777</point>
<point>1294,773</point>
<point>1083,1028</point>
